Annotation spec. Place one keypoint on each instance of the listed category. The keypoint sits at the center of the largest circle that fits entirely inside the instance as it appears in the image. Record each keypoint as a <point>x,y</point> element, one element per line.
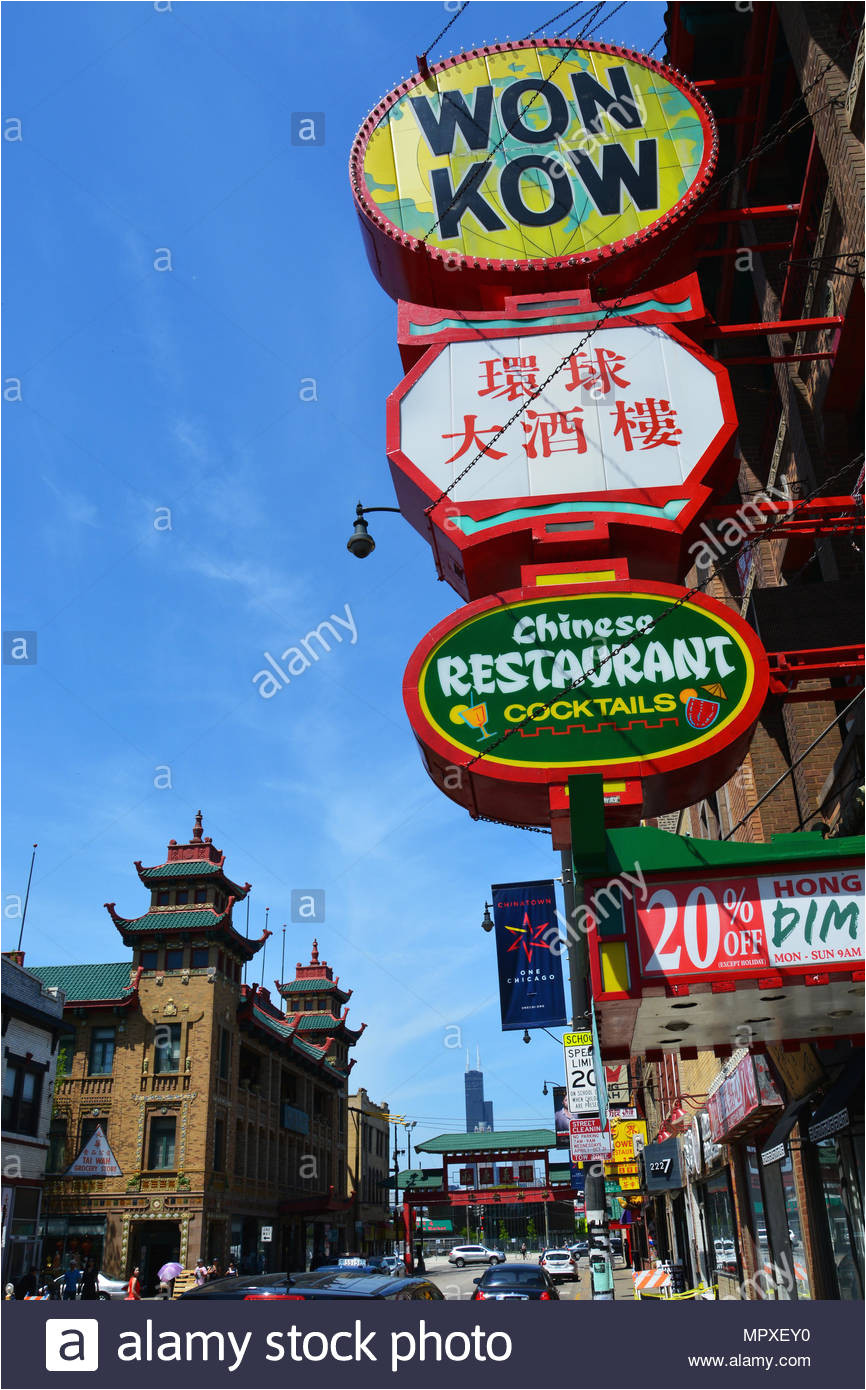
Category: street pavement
<point>458,1283</point>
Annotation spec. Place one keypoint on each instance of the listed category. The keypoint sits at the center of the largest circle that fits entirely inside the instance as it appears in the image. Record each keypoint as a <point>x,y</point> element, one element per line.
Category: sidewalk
<point>623,1285</point>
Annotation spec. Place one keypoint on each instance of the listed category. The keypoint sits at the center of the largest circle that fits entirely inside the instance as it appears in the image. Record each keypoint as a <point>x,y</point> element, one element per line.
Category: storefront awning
<point>832,1114</point>
<point>776,1143</point>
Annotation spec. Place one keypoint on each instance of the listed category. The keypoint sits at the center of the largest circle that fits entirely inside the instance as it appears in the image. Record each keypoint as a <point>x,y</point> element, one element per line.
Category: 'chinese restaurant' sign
<point>536,154</point>
<point>518,691</point>
<point>744,1099</point>
<point>531,993</point>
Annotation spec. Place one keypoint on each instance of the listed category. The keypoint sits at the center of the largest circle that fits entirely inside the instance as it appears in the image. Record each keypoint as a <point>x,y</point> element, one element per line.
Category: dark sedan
<point>515,1282</point>
<point>322,1283</point>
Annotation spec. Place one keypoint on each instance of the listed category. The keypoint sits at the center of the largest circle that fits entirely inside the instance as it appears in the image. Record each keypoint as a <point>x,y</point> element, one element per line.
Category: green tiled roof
<point>170,919</point>
<point>481,1143</point>
<point>80,982</point>
<point>182,868</point>
<point>315,1023</point>
<point>285,1031</point>
<point>316,985</point>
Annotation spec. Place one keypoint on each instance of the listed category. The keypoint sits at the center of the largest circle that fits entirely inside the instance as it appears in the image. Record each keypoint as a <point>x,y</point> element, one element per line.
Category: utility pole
<point>588,857</point>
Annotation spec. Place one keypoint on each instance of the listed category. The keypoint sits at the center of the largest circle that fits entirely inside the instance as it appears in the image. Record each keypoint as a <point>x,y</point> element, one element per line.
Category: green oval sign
<point>600,678</point>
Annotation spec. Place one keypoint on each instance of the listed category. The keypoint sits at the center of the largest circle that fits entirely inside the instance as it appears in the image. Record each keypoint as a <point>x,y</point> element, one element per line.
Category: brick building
<point>782,1190</point>
<point>369,1174</point>
<point>225,1116</point>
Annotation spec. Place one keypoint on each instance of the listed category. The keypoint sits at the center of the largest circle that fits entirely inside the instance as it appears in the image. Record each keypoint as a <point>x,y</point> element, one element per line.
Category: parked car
<point>475,1255</point>
<point>559,1264</point>
<point>108,1288</point>
<point>517,1281</point>
<point>332,1283</point>
<point>580,1249</point>
<point>394,1264</point>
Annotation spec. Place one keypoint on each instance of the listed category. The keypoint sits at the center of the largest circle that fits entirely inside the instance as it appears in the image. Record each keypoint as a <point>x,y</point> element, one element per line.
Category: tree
<point>531,1232</point>
<point>503,1234</point>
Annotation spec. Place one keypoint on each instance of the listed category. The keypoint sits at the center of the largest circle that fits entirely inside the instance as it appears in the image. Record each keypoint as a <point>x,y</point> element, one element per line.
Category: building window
<point>308,1005</point>
<point>166,1055</point>
<point>174,958</point>
<point>148,959</point>
<point>219,1146</point>
<point>225,1057</point>
<point>162,898</point>
<point>200,955</point>
<point>181,897</point>
<point>101,1051</point>
<point>22,1093</point>
<point>200,895</point>
<point>160,1150</point>
<point>89,1127</point>
<point>56,1160</point>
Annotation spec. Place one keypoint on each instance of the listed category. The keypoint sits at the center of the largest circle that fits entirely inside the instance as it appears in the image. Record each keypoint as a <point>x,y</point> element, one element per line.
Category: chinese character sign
<point>531,993</point>
<point>631,409</point>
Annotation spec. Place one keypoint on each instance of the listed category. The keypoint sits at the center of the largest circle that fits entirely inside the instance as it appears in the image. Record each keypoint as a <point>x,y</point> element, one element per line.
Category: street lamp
<point>361,543</point>
<point>544,1091</point>
<point>487,920</point>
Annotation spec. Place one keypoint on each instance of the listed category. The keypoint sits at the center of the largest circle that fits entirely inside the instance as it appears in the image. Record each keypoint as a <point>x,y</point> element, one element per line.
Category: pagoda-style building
<point>223,1118</point>
<point>315,1007</point>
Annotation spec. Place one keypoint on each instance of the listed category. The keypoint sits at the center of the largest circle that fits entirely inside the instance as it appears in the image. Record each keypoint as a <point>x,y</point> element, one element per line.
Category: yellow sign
<point>577,1039</point>
<point>537,151</point>
<point>624,1133</point>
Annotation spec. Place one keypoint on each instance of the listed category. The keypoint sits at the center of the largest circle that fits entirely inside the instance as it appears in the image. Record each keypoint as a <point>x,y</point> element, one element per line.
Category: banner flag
<point>531,993</point>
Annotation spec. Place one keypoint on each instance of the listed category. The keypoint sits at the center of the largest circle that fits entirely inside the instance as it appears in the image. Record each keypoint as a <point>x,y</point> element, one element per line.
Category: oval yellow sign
<point>533,152</point>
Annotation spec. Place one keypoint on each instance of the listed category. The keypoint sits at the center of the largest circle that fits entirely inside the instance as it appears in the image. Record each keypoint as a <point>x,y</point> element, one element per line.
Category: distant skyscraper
<point>479,1112</point>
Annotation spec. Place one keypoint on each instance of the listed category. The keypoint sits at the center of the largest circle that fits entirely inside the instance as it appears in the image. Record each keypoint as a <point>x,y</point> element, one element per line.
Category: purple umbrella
<point>170,1271</point>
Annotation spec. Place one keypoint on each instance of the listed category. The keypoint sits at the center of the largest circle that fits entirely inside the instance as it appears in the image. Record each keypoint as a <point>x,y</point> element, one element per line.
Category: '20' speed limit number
<point>579,1073</point>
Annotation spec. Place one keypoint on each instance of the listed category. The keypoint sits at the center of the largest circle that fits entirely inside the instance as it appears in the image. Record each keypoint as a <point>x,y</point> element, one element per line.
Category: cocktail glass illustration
<point>476,717</point>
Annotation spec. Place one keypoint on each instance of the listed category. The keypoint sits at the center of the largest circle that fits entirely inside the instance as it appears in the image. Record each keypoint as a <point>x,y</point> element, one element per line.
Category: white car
<point>559,1264</point>
<point>475,1255</point>
<point>108,1288</point>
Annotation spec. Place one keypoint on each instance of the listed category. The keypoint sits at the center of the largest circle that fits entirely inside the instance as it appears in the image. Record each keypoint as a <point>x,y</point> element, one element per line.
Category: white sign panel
<point>95,1160</point>
<point>267,1234</point>
<point>580,1091</point>
<point>814,918</point>
<point>630,409</point>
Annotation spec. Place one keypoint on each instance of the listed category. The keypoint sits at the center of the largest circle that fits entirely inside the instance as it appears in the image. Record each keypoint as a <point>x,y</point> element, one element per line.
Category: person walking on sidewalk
<point>523,1251</point>
<point>133,1288</point>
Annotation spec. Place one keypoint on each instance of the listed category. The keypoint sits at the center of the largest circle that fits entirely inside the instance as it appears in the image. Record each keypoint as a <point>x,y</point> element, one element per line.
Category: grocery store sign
<point>527,153</point>
<point>640,680</point>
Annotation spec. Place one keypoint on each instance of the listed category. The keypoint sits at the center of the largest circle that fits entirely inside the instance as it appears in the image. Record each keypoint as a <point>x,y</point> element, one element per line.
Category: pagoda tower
<point>316,1007</point>
<point>191,904</point>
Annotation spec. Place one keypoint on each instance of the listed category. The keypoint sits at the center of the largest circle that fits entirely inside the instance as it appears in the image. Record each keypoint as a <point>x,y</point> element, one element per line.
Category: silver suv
<point>475,1255</point>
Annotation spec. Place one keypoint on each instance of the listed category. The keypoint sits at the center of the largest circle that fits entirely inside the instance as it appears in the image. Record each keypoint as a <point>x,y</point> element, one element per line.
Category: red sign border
<point>407,267</point>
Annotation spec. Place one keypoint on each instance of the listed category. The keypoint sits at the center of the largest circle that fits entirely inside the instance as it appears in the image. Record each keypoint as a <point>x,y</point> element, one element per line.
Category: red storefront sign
<point>743,1099</point>
<point>695,930</point>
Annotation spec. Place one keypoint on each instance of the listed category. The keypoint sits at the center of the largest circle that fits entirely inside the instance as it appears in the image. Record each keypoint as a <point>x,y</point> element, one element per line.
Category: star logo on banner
<point>528,937</point>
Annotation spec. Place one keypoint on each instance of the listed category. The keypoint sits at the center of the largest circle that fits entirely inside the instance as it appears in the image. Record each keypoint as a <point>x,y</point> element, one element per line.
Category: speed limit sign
<point>582,1097</point>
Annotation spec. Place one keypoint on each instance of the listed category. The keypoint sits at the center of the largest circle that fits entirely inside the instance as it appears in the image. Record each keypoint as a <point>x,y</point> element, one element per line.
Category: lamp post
<point>361,543</point>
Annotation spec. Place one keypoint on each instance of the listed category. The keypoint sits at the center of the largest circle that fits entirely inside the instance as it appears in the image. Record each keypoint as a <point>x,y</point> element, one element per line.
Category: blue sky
<point>150,134</point>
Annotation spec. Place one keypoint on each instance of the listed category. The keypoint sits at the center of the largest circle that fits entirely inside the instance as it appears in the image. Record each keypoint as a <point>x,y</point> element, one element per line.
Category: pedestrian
<point>200,1272</point>
<point>90,1282</point>
<point>215,1271</point>
<point>9,1296</point>
<point>28,1285</point>
<point>232,1271</point>
<point>523,1251</point>
<point>71,1280</point>
<point>133,1287</point>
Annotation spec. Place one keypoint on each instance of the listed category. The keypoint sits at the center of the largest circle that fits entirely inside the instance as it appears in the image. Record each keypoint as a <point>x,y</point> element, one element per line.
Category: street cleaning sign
<point>535,155</point>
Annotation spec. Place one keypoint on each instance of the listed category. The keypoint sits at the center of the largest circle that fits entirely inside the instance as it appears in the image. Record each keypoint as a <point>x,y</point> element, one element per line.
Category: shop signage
<point>518,691</point>
<point>531,993</point>
<point>781,920</point>
<point>744,1099</point>
<point>588,1139</point>
<point>619,1088</point>
<point>629,429</point>
<point>536,156</point>
<point>661,1166</point>
<point>582,1096</point>
<point>507,1197</point>
<point>629,1137</point>
<point>96,1159</point>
